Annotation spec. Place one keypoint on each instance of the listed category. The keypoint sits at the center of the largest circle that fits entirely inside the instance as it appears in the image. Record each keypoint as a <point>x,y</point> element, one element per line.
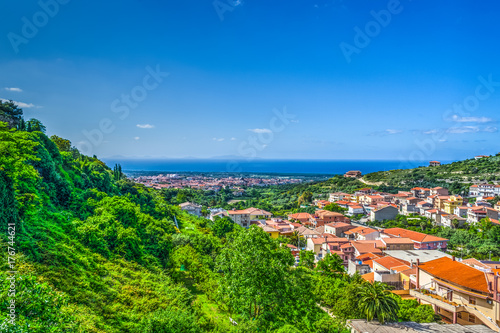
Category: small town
<point>416,265</point>
<point>233,166</point>
<point>211,183</point>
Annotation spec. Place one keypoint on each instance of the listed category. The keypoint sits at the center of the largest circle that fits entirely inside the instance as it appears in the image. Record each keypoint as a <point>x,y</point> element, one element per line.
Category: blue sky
<point>228,75</point>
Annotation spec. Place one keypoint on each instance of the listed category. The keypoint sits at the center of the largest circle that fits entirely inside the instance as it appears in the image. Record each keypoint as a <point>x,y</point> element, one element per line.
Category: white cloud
<point>22,104</point>
<point>145,126</point>
<point>233,139</point>
<point>260,130</point>
<point>491,129</point>
<point>458,119</point>
<point>393,131</point>
<point>386,132</point>
<point>218,139</point>
<point>434,131</point>
<point>463,129</point>
<point>13,89</point>
<point>136,138</point>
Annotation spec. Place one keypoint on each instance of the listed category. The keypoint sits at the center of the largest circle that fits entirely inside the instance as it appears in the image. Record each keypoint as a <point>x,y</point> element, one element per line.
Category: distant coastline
<point>291,167</point>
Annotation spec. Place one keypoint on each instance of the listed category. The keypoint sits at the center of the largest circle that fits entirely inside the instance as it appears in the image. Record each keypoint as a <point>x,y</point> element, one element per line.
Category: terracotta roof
<point>368,255</point>
<point>307,232</point>
<point>338,224</point>
<point>456,273</point>
<point>369,277</point>
<point>411,271</point>
<point>365,247</point>
<point>300,216</point>
<point>322,213</point>
<point>267,228</point>
<point>400,268</point>
<point>390,262</point>
<point>413,235</point>
<point>320,230</point>
<point>396,240</point>
<point>360,230</point>
<point>474,262</point>
<point>318,240</point>
<point>250,211</point>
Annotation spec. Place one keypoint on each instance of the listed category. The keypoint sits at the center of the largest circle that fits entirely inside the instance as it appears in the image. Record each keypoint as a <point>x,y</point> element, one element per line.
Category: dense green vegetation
<point>279,200</point>
<point>456,176</point>
<point>95,252</point>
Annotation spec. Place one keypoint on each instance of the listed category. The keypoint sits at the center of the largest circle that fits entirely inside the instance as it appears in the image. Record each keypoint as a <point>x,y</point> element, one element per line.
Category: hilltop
<point>456,176</point>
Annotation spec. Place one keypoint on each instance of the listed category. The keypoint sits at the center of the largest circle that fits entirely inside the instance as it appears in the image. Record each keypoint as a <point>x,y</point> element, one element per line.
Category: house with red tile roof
<point>484,190</point>
<point>339,196</point>
<point>477,213</point>
<point>301,217</point>
<point>421,241</point>
<point>353,174</point>
<point>322,203</point>
<point>246,216</point>
<point>388,263</point>
<point>338,228</point>
<point>439,191</point>
<point>397,243</point>
<point>362,233</point>
<point>458,292</point>
<point>322,217</point>
<point>363,248</point>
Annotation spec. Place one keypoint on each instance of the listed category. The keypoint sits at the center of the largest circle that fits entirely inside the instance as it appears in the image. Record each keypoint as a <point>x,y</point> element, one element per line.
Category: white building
<point>484,190</point>
<point>191,208</point>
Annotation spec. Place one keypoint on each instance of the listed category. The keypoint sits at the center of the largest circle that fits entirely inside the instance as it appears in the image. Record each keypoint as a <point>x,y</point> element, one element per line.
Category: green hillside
<point>457,176</point>
<point>95,252</point>
<point>86,250</point>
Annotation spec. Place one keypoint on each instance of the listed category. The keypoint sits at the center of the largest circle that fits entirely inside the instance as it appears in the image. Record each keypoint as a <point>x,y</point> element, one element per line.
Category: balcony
<point>439,301</point>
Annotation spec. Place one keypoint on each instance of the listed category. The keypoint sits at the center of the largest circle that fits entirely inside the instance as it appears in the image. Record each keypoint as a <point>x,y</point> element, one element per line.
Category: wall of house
<point>385,214</point>
<point>400,247</point>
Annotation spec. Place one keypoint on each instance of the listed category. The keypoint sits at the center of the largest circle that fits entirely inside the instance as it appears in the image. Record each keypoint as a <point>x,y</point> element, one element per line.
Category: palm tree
<point>294,238</point>
<point>376,301</point>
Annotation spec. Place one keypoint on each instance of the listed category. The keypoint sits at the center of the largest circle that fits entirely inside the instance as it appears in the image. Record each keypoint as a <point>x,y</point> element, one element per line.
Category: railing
<point>485,319</point>
<point>437,300</point>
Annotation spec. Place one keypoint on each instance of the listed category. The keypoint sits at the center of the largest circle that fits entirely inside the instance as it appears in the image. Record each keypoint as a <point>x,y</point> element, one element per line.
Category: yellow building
<point>451,203</point>
<point>274,233</point>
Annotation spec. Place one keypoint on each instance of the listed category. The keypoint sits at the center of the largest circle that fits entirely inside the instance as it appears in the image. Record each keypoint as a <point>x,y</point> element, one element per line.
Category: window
<point>459,315</point>
<point>472,318</point>
<point>472,300</point>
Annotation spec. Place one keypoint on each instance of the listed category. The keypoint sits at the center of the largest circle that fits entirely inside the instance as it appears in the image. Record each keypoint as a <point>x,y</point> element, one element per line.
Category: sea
<point>292,167</point>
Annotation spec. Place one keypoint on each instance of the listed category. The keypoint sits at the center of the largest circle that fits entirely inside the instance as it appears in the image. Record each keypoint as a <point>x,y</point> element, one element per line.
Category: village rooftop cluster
<point>416,264</point>
<point>212,183</point>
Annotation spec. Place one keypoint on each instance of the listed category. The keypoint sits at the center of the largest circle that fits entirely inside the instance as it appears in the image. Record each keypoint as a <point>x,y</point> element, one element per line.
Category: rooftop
<point>413,235</point>
<point>390,262</point>
<point>413,255</point>
<point>456,273</point>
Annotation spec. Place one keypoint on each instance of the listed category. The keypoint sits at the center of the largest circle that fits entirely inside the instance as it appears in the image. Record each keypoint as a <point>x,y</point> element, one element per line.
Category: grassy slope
<point>462,173</point>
